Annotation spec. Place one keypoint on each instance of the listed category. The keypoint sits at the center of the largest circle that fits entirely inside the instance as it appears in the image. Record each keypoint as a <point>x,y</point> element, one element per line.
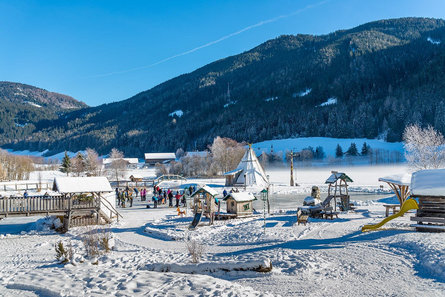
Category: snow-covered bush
<point>425,147</point>
<point>195,249</point>
<point>97,242</point>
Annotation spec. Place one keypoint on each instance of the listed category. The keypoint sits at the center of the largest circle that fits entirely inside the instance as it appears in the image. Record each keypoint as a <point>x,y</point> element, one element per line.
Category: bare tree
<point>14,167</point>
<point>161,169</point>
<point>92,162</point>
<point>425,147</point>
<point>226,153</point>
<point>118,164</point>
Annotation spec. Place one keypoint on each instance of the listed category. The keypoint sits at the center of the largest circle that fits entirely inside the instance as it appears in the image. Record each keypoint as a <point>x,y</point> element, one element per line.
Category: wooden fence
<point>25,186</point>
<point>43,205</point>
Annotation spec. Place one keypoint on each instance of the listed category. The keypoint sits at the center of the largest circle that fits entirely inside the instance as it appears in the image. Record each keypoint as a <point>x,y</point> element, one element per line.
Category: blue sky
<point>102,51</point>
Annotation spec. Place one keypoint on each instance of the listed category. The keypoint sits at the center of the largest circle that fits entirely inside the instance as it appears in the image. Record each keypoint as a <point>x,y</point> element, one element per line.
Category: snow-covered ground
<point>323,258</point>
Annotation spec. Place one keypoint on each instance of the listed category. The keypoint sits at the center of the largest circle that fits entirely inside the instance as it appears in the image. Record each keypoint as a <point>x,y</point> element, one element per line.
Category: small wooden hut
<point>90,200</point>
<point>240,203</point>
<point>205,201</point>
<point>399,184</point>
<point>428,187</point>
<point>338,189</point>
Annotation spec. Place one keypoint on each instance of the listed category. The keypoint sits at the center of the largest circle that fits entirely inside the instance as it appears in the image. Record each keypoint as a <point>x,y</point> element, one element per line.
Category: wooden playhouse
<point>240,204</point>
<point>205,202</point>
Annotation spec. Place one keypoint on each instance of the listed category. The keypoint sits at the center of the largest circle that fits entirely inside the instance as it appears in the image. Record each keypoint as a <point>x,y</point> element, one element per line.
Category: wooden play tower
<point>338,189</point>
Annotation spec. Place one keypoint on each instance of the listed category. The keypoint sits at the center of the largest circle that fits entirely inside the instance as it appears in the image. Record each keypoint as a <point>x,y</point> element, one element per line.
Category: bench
<point>329,215</point>
<point>395,208</point>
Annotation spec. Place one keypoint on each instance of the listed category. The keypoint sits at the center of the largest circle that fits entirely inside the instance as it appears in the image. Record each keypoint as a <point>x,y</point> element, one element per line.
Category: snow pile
<point>179,113</point>
<point>330,101</point>
<point>271,99</point>
<point>433,41</point>
<point>33,104</point>
<point>304,93</point>
<point>428,183</point>
<point>48,223</point>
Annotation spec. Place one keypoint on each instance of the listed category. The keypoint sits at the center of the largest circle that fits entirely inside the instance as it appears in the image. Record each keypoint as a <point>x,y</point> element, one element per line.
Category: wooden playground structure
<point>76,204</point>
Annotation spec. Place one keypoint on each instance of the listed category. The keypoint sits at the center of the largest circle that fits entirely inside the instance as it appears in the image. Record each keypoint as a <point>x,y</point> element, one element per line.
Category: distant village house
<point>132,163</point>
<point>162,158</point>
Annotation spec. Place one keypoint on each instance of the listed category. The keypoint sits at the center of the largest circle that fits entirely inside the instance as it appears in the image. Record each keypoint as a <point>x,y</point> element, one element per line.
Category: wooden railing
<point>122,184</point>
<point>33,204</point>
<point>105,204</point>
<point>25,186</point>
<point>169,177</point>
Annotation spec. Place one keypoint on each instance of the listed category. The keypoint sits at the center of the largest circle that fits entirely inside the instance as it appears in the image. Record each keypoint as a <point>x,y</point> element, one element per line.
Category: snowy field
<point>150,258</point>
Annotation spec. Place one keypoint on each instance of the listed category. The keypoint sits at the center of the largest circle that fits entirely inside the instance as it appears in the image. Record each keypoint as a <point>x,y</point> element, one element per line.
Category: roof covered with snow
<point>95,184</point>
<point>206,189</point>
<point>241,196</point>
<point>428,183</point>
<point>129,160</point>
<point>403,179</point>
<point>336,176</point>
<point>157,156</point>
<point>233,172</point>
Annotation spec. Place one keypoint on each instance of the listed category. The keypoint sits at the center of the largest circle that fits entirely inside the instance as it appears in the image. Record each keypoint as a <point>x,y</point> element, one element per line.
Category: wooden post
<point>292,168</point>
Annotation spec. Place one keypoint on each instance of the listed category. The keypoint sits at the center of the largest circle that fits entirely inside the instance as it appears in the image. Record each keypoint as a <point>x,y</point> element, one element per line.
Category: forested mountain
<point>368,81</point>
<point>24,107</point>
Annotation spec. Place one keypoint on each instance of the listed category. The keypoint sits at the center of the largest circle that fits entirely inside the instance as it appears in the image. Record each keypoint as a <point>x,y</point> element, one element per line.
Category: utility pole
<point>292,168</point>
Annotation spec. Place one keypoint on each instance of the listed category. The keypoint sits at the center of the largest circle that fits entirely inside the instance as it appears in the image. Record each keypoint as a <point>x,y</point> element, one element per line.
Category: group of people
<point>127,195</point>
<point>160,196</point>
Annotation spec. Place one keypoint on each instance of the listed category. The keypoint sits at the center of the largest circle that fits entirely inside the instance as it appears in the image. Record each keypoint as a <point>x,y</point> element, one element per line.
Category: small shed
<point>205,201</point>
<point>338,189</point>
<point>428,186</point>
<point>399,183</point>
<point>240,203</point>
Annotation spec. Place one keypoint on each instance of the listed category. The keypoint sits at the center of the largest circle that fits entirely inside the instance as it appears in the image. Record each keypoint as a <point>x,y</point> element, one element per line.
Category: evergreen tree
<point>365,149</point>
<point>319,153</point>
<point>338,151</point>
<point>78,164</point>
<point>66,164</point>
<point>352,150</point>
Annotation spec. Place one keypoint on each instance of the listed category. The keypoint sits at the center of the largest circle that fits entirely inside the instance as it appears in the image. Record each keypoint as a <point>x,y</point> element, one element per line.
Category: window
<point>246,206</point>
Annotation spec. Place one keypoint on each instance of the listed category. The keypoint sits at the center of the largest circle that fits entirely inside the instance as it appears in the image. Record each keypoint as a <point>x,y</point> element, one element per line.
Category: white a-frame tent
<point>248,173</point>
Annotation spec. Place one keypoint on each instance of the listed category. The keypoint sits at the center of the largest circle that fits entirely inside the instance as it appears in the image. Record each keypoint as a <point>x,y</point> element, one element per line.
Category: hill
<point>23,108</point>
<point>365,82</point>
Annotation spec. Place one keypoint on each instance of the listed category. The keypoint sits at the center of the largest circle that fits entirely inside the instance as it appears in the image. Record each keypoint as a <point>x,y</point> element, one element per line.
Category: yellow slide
<point>407,205</point>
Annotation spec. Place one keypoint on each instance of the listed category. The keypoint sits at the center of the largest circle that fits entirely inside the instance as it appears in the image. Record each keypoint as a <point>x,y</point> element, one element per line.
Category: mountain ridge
<point>374,71</point>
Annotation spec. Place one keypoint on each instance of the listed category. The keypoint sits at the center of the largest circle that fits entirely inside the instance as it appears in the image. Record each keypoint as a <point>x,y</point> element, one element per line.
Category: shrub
<point>195,249</point>
<point>62,254</point>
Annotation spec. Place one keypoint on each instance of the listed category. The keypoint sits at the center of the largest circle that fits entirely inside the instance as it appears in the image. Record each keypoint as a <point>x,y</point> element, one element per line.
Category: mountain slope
<point>368,81</point>
<point>22,107</point>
